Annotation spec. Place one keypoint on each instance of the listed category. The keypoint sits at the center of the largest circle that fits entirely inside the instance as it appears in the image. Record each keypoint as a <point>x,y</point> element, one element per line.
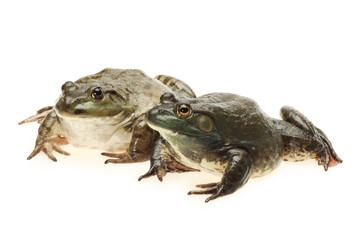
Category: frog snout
<point>168,98</point>
<point>70,105</point>
<point>155,112</point>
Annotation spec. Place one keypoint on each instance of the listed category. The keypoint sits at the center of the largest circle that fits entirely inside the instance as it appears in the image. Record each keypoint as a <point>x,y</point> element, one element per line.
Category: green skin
<point>230,135</point>
<point>107,111</point>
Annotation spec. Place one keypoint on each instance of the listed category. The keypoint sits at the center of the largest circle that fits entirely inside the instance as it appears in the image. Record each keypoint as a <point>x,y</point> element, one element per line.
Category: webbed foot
<point>161,167</point>
<point>157,168</point>
<point>328,157</point>
<point>47,145</point>
<point>321,145</point>
<point>236,174</point>
<point>163,160</point>
<point>215,189</point>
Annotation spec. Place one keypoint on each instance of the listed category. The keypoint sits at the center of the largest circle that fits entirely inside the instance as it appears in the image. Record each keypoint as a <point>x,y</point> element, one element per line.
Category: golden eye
<point>97,93</point>
<point>184,110</point>
<point>205,123</point>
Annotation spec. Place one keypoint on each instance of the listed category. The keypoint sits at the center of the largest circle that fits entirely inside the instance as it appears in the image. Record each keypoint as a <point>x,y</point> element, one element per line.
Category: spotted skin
<point>179,87</point>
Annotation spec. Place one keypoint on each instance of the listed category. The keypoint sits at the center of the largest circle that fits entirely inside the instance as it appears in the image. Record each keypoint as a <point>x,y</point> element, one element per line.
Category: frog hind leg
<point>140,146</point>
<point>163,160</point>
<point>39,116</point>
<point>306,138</point>
<point>237,173</point>
<point>49,138</point>
<point>179,87</point>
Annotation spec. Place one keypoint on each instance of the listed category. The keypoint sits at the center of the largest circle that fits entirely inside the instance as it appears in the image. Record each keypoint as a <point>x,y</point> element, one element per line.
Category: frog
<point>105,111</point>
<point>230,136</point>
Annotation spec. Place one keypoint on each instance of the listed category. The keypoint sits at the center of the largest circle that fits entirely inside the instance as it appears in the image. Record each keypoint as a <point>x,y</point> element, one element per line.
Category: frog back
<point>241,123</point>
<point>133,86</point>
<point>136,88</point>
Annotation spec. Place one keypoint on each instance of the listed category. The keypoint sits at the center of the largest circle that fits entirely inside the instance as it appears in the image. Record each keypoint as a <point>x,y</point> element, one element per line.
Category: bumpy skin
<point>105,110</point>
<point>230,135</point>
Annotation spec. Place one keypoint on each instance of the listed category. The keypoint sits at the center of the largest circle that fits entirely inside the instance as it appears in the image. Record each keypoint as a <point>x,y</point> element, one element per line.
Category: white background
<point>299,53</point>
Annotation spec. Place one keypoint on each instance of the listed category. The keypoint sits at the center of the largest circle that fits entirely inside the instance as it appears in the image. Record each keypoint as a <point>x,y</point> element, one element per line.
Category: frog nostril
<point>167,97</point>
<point>67,86</point>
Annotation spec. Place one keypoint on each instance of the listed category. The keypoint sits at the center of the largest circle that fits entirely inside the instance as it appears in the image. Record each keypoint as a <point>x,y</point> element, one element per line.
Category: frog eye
<point>184,110</point>
<point>97,93</point>
<point>205,123</point>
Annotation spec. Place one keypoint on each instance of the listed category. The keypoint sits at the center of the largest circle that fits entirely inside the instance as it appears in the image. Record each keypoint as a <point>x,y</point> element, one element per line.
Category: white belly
<point>99,133</point>
<point>215,168</point>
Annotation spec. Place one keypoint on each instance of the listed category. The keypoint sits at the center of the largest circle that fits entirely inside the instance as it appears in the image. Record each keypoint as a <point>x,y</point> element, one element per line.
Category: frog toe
<point>214,196</point>
<point>174,166</point>
<point>157,170</point>
<point>210,190</point>
<point>215,189</point>
<point>208,185</point>
<point>34,153</point>
<point>58,149</point>
<point>118,158</point>
<point>327,158</point>
<point>201,192</point>
<point>48,145</point>
<point>48,152</point>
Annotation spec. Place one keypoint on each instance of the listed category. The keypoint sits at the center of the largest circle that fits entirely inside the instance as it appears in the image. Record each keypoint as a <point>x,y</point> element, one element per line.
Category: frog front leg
<point>237,173</point>
<point>39,116</point>
<point>325,153</point>
<point>140,146</point>
<point>49,137</point>
<point>163,160</point>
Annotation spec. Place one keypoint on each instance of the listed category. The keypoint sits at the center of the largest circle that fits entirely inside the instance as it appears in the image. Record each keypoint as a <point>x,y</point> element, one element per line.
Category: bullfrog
<point>105,111</point>
<point>230,136</point>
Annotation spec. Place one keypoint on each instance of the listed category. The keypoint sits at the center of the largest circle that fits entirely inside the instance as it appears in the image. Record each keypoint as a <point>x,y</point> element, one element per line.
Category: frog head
<point>90,99</point>
<point>183,124</point>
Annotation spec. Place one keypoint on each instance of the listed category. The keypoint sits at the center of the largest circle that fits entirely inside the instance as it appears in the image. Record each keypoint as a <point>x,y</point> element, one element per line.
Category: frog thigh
<point>179,87</point>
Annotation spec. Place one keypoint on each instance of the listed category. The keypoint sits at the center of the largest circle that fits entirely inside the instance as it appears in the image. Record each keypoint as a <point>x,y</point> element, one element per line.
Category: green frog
<point>106,111</point>
<point>229,135</point>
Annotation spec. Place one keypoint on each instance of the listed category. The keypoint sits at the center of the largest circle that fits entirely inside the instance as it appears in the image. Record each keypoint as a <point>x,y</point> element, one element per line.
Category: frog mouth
<point>168,131</point>
<point>79,112</point>
<point>74,113</point>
